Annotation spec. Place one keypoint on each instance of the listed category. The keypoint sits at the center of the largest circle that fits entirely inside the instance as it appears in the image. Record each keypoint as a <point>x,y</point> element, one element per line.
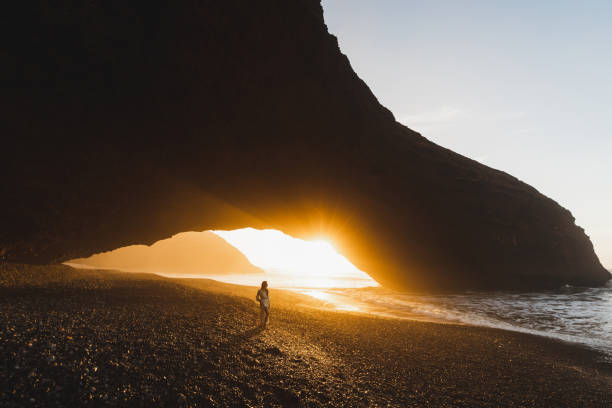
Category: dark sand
<point>71,338</point>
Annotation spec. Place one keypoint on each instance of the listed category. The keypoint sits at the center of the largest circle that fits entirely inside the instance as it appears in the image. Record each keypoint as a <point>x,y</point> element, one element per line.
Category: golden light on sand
<point>313,263</point>
<point>335,300</point>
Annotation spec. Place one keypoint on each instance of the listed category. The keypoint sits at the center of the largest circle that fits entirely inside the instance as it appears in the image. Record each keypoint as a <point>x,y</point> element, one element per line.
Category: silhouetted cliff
<point>128,121</point>
<point>187,253</point>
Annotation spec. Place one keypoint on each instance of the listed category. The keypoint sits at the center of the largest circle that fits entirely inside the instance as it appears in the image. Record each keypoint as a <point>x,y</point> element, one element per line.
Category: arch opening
<point>241,256</point>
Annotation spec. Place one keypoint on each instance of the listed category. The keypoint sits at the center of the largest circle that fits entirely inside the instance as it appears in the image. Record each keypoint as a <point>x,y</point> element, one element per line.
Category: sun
<point>313,263</point>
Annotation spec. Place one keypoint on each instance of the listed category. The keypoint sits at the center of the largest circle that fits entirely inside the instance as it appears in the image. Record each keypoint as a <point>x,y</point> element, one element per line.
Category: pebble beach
<point>100,338</point>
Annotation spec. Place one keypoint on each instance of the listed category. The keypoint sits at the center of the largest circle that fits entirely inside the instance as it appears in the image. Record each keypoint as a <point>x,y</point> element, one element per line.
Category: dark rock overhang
<point>129,121</point>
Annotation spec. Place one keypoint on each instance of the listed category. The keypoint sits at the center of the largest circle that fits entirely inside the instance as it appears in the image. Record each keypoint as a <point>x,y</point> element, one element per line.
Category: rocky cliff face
<point>128,121</point>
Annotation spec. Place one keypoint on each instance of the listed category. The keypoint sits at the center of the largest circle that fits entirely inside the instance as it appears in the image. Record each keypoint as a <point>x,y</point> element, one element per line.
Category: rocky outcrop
<point>187,253</point>
<point>129,121</point>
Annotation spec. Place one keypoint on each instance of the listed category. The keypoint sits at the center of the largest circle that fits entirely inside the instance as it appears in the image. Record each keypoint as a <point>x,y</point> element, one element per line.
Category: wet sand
<point>95,338</point>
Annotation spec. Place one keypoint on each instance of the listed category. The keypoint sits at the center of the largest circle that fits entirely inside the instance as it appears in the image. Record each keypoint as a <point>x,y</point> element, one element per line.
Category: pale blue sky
<point>522,86</point>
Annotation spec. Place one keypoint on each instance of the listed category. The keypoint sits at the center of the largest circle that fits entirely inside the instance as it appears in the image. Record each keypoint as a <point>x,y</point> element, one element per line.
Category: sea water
<point>574,314</point>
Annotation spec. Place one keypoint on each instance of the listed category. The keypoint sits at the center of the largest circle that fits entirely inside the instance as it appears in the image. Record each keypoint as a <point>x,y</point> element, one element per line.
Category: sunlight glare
<point>301,263</point>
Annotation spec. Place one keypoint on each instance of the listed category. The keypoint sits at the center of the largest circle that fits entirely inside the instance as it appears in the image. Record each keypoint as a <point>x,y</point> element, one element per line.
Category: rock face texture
<point>125,122</point>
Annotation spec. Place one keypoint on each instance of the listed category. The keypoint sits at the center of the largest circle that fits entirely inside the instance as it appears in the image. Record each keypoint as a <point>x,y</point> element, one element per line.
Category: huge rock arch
<point>129,121</point>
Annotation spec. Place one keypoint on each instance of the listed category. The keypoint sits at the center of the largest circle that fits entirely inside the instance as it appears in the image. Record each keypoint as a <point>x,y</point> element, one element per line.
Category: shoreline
<point>351,305</point>
<point>297,296</point>
<point>603,356</point>
<point>421,310</point>
<point>92,338</point>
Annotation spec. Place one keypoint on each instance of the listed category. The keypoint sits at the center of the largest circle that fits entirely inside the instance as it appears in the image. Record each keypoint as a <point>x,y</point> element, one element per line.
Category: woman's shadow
<point>239,338</point>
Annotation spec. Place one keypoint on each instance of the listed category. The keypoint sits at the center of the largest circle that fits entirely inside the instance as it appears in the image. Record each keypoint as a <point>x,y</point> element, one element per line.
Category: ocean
<point>572,314</point>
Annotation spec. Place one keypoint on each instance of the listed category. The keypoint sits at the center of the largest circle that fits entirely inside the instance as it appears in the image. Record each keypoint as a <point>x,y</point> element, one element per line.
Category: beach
<point>86,337</point>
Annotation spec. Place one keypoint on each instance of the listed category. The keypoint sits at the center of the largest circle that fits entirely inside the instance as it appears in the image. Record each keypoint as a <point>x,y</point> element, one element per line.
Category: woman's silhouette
<point>263,297</point>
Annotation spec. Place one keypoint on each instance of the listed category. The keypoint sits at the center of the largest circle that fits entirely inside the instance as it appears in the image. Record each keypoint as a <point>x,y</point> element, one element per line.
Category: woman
<point>264,303</point>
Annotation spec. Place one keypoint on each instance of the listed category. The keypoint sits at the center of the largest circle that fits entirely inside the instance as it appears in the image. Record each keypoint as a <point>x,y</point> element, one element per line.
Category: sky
<point>521,86</point>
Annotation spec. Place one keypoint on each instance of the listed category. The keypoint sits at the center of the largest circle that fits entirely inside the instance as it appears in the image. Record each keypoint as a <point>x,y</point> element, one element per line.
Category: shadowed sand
<point>72,337</point>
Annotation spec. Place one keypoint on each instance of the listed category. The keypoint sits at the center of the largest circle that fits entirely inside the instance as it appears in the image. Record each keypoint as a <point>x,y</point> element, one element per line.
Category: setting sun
<point>296,262</point>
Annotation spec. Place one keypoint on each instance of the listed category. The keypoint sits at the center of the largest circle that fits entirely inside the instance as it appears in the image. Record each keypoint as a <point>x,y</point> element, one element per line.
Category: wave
<point>573,314</point>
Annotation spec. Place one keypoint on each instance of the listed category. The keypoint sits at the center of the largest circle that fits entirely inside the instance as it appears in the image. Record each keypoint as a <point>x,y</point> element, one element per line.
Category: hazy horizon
<point>186,253</point>
<point>243,256</point>
<point>518,86</point>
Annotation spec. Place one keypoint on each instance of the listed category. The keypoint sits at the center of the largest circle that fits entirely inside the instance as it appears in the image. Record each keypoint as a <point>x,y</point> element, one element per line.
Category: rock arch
<point>130,121</point>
